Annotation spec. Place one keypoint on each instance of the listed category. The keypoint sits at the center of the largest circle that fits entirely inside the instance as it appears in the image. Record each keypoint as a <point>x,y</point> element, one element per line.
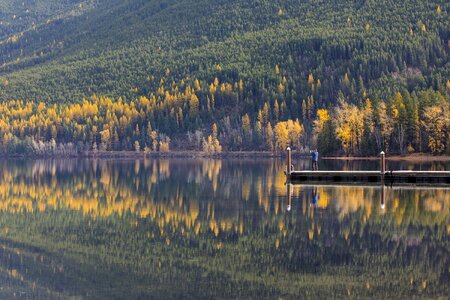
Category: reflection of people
<point>315,197</point>
<point>314,159</point>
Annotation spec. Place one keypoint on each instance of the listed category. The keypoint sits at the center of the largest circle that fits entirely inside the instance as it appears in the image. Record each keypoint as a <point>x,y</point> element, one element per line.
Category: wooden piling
<point>288,162</point>
<point>382,164</point>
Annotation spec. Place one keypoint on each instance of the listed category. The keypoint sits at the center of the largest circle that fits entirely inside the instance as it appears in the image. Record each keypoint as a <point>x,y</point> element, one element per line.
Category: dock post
<point>288,163</point>
<point>382,165</point>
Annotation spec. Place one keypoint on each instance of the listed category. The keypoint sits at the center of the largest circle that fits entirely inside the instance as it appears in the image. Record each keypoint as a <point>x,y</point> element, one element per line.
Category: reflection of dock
<point>314,188</point>
<point>368,177</point>
<point>401,177</point>
<point>396,187</point>
<point>316,191</point>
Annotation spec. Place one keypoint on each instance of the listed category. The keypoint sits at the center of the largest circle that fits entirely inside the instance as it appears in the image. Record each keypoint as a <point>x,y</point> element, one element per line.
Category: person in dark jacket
<point>314,159</point>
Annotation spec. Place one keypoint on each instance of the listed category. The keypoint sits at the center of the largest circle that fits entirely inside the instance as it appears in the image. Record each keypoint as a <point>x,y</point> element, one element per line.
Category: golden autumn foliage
<point>281,135</point>
<point>113,124</point>
<point>349,126</point>
<point>310,79</point>
<point>322,117</point>
<point>437,124</point>
<point>288,133</point>
<point>211,145</point>
<point>105,124</point>
<point>97,120</point>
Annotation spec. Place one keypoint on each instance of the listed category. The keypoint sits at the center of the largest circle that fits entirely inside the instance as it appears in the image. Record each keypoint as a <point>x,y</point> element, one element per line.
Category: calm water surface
<point>199,228</point>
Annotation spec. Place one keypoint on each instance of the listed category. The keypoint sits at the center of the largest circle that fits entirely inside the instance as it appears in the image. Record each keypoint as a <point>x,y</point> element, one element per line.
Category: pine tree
<point>269,137</point>
<point>258,134</point>
<point>246,124</point>
<point>276,110</point>
<point>327,141</point>
<point>193,105</point>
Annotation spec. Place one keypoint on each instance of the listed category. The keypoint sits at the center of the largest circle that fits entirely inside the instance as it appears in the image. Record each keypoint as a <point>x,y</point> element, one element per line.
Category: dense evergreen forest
<point>348,77</point>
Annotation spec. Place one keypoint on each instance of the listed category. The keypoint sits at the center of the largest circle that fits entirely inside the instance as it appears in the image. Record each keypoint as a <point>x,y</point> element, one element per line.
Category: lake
<point>205,228</point>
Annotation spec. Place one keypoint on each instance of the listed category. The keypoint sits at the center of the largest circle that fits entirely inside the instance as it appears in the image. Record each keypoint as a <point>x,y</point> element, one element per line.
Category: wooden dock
<point>368,177</point>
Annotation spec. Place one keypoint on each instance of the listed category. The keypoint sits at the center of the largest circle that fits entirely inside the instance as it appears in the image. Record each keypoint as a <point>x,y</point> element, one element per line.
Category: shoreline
<point>140,155</point>
<point>234,154</point>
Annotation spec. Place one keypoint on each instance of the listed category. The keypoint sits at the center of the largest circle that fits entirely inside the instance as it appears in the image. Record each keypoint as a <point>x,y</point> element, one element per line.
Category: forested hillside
<point>230,74</point>
<point>18,16</point>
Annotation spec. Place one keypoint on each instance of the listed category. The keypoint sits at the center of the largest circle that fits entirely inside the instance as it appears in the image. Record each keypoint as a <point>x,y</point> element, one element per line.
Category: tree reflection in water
<point>213,228</point>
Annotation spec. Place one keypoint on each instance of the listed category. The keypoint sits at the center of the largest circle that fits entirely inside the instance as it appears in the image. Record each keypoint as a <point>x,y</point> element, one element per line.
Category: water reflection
<point>167,223</point>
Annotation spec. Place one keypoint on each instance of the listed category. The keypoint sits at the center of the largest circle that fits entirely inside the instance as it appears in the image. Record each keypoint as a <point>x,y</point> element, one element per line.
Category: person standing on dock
<point>314,159</point>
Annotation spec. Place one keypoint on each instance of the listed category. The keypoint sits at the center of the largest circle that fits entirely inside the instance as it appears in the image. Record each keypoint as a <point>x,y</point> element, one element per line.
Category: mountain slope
<point>353,77</point>
<point>113,47</point>
<point>17,16</point>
